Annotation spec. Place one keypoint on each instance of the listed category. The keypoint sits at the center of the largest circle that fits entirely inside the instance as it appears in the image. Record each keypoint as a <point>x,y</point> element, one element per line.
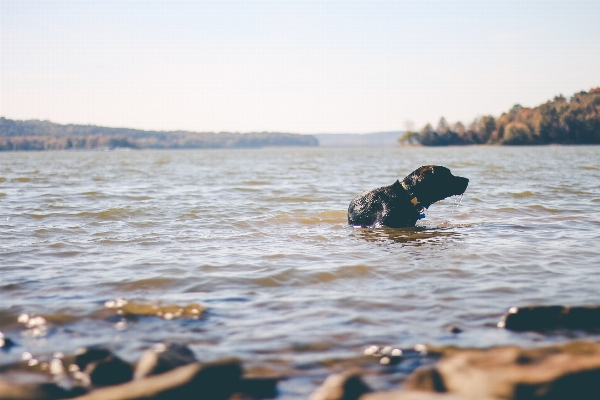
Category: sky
<point>290,66</point>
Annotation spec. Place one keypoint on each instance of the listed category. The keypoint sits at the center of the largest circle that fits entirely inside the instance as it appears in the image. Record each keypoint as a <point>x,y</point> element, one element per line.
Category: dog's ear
<point>419,175</point>
<point>438,169</point>
<point>425,171</point>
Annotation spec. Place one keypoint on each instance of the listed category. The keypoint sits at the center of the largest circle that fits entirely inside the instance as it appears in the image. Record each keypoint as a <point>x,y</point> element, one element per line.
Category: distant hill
<point>359,140</point>
<point>45,135</point>
<point>559,121</point>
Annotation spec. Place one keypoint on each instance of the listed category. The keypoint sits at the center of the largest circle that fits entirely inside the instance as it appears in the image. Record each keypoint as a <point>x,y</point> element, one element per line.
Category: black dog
<point>402,203</point>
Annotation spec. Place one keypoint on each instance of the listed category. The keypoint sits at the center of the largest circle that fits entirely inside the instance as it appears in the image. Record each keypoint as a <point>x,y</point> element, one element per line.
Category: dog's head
<point>433,183</point>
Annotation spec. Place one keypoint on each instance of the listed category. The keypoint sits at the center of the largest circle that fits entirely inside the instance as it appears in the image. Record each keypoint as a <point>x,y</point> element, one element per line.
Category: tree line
<point>559,121</point>
<point>45,135</point>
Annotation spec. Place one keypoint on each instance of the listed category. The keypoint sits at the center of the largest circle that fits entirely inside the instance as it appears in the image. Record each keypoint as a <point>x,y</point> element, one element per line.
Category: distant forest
<point>45,135</point>
<point>560,121</point>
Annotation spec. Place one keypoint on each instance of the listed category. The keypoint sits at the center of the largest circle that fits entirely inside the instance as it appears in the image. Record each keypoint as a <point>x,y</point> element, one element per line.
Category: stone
<point>416,395</point>
<point>427,379</point>
<point>259,388</point>
<point>213,381</point>
<point>163,358</point>
<point>14,391</point>
<point>570,371</point>
<point>132,310</point>
<point>88,355</point>
<point>344,386</point>
<point>542,318</point>
<point>110,371</point>
<point>5,342</point>
<point>103,367</point>
<point>45,391</point>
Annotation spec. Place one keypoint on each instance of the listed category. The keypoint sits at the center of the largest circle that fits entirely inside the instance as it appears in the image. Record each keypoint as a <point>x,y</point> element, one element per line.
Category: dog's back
<point>385,206</point>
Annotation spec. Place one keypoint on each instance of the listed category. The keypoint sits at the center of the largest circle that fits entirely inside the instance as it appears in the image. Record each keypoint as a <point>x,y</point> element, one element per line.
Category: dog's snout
<point>462,184</point>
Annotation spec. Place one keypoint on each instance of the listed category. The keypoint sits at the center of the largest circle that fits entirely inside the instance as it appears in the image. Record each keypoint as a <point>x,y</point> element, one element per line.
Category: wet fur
<point>391,205</point>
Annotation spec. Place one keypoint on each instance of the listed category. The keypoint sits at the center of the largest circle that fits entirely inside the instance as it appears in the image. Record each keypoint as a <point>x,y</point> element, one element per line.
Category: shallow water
<point>260,238</point>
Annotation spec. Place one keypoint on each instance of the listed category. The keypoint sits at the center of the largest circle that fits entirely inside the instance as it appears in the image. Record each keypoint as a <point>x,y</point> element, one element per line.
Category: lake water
<point>260,238</point>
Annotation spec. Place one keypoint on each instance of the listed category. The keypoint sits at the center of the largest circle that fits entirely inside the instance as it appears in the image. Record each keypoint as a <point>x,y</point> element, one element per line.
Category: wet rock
<point>131,310</point>
<point>89,355</point>
<point>345,386</point>
<point>5,342</point>
<point>415,395</point>
<point>110,371</point>
<point>349,386</point>
<point>58,392</point>
<point>428,379</point>
<point>13,391</point>
<point>103,367</point>
<point>163,358</point>
<point>542,318</point>
<point>214,381</point>
<point>259,388</point>
<point>571,371</point>
<point>455,330</point>
<point>46,391</point>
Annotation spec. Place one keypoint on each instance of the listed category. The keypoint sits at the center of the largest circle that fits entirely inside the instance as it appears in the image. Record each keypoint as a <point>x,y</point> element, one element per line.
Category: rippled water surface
<point>260,238</point>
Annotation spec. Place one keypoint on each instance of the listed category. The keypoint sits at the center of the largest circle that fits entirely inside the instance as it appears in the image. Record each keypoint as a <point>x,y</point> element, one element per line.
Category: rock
<point>103,367</point>
<point>345,386</point>
<point>88,355</point>
<point>163,358</point>
<point>541,318</point>
<point>259,388</point>
<point>428,379</point>
<point>570,371</point>
<point>349,386</point>
<point>455,330</point>
<point>6,342</point>
<point>214,381</point>
<point>13,391</point>
<point>415,395</point>
<point>110,371</point>
<point>46,391</point>
<point>58,392</point>
<point>132,310</point>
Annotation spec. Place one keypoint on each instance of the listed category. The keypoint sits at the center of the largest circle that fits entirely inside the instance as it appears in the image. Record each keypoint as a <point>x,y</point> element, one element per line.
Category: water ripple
<point>261,237</point>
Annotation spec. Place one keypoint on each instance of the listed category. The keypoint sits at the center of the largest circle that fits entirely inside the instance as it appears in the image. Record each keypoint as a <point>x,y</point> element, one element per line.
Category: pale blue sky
<point>305,67</point>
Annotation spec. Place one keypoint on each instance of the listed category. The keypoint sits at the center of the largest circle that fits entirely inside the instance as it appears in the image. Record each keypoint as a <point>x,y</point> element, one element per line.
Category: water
<point>260,238</point>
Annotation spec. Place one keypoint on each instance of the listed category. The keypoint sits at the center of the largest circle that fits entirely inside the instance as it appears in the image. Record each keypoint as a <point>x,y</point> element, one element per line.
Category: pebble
<point>455,330</point>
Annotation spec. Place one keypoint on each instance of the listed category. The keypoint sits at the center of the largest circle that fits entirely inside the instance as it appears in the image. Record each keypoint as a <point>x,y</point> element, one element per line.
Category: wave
<point>112,214</point>
<point>522,194</point>
<point>306,218</point>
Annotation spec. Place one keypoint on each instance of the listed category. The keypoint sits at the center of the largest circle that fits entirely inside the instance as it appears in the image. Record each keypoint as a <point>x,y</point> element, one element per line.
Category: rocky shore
<point>570,371</point>
<point>172,371</point>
